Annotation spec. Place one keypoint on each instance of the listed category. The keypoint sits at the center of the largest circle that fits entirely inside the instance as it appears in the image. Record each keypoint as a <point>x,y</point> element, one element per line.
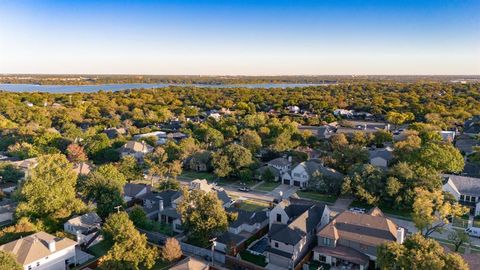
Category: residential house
<point>135,191</point>
<point>350,127</point>
<point>246,225</point>
<point>448,135</point>
<point>282,164</point>
<point>82,168</point>
<point>84,227</point>
<point>353,238</point>
<point>381,157</point>
<point>293,109</point>
<point>202,184</point>
<point>343,113</point>
<point>176,136</point>
<point>320,132</point>
<point>42,251</point>
<point>199,162</point>
<point>191,263</point>
<point>156,202</point>
<point>293,225</point>
<point>160,135</point>
<point>465,189</point>
<point>471,169</point>
<point>135,149</point>
<point>471,127</point>
<point>465,144</point>
<point>262,170</point>
<point>114,133</point>
<point>303,172</point>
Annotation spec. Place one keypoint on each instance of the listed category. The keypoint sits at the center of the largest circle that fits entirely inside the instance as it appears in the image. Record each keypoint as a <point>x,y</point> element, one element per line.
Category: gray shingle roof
<point>465,184</point>
<point>132,190</point>
<point>281,162</point>
<point>382,153</point>
<point>312,166</point>
<point>247,217</point>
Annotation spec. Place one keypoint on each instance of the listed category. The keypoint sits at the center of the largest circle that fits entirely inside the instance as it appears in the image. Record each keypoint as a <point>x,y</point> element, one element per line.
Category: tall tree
<point>9,262</point>
<point>130,250</point>
<point>76,153</point>
<point>431,212</point>
<point>171,251</point>
<point>231,160</point>
<point>417,252</point>
<point>49,191</point>
<point>202,214</point>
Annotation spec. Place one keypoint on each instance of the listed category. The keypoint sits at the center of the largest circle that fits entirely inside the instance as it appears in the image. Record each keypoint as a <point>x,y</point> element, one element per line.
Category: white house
<point>282,164</point>
<point>448,135</point>
<point>293,225</point>
<point>465,189</point>
<point>84,227</point>
<point>160,135</point>
<point>381,157</point>
<point>303,172</point>
<point>42,251</point>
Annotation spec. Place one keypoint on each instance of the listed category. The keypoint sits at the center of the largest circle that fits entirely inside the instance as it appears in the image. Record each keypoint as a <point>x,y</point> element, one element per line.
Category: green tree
<point>458,238</point>
<point>130,249</point>
<point>251,140</point>
<point>49,192</point>
<point>397,118</point>
<point>156,163</point>
<point>202,215</point>
<point>366,182</point>
<point>417,252</point>
<point>138,216</point>
<point>130,168</point>
<point>9,262</point>
<point>431,213</point>
<point>10,173</point>
<point>105,186</point>
<point>231,160</point>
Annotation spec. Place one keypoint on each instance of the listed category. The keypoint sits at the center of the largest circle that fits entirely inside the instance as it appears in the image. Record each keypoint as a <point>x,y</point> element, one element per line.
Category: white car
<point>473,231</point>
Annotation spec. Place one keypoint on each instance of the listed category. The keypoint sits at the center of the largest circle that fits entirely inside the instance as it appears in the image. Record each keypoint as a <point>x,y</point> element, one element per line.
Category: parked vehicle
<point>473,231</point>
<point>358,210</point>
<point>244,189</point>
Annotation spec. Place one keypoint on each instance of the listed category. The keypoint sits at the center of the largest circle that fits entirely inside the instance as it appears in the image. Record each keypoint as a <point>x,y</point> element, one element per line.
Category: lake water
<point>119,87</point>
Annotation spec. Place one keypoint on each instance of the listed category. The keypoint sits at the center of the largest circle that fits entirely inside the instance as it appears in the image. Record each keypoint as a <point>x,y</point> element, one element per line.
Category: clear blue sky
<point>240,37</point>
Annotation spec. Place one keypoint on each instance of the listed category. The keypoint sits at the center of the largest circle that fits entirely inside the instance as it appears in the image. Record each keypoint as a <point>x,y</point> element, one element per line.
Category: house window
<point>279,218</point>
<point>276,244</point>
<point>473,199</point>
<point>326,241</point>
<point>322,258</point>
<point>467,198</point>
<point>296,174</point>
<point>462,198</point>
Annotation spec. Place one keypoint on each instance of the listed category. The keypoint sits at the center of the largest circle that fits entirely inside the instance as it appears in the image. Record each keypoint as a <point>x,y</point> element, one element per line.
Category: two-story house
<point>135,149</point>
<point>42,251</point>
<point>135,191</point>
<point>247,224</point>
<point>84,227</point>
<point>465,189</point>
<point>282,164</point>
<point>304,171</point>
<point>293,225</point>
<point>353,238</point>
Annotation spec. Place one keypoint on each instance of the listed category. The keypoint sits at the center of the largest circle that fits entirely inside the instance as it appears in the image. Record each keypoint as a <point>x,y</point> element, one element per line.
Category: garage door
<point>296,183</point>
<point>286,182</point>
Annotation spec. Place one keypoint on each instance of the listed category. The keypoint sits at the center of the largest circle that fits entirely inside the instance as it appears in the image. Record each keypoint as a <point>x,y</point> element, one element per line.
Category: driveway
<point>341,204</point>
<point>285,190</point>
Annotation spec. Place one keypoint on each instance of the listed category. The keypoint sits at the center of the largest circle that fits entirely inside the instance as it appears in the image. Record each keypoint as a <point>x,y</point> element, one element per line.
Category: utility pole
<point>213,247</point>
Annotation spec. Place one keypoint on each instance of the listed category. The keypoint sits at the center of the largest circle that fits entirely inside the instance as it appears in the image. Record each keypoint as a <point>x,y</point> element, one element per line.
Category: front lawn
<point>312,195</point>
<point>251,205</point>
<point>155,226</point>
<point>255,259</point>
<point>198,175</point>
<point>267,186</point>
<point>461,222</point>
<point>386,209</point>
<point>100,249</point>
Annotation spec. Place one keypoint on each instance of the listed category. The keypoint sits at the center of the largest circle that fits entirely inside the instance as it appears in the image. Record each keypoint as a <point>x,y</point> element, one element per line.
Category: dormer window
<point>279,218</point>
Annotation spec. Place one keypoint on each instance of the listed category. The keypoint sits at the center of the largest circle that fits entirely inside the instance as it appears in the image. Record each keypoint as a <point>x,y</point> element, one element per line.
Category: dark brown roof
<point>344,253</point>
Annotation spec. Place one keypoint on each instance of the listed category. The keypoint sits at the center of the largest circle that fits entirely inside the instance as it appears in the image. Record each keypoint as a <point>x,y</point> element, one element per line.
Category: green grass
<point>255,259</point>
<point>386,209</point>
<point>100,249</point>
<point>267,186</point>
<point>312,195</point>
<point>198,175</point>
<point>251,205</point>
<point>460,222</point>
<point>154,226</point>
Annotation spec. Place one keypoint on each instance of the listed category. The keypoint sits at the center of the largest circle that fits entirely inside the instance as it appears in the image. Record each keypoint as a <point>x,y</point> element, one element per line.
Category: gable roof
<point>190,263</point>
<point>465,184</point>
<point>34,247</point>
<point>369,229</point>
<point>303,218</point>
<point>247,217</point>
<point>132,190</point>
<point>134,146</point>
<point>383,153</point>
<point>85,221</point>
<point>280,162</point>
<point>312,166</point>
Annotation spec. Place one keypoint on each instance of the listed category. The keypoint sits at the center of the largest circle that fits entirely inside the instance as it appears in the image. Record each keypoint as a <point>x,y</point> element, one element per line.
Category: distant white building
<point>448,135</point>
<point>343,113</point>
<point>160,135</point>
<point>42,251</point>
